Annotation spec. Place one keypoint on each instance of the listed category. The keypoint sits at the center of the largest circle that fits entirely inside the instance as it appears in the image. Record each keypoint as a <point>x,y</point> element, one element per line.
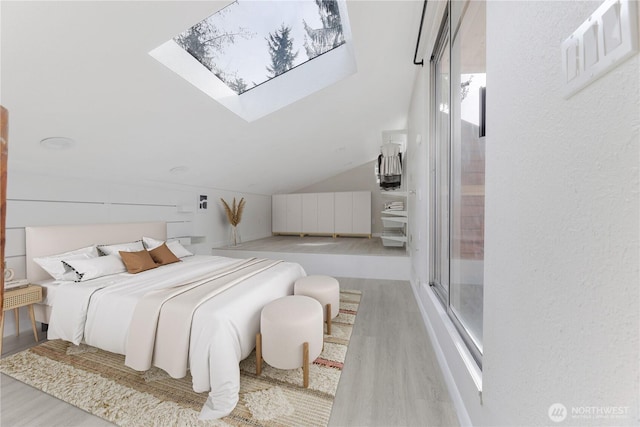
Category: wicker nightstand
<point>16,298</point>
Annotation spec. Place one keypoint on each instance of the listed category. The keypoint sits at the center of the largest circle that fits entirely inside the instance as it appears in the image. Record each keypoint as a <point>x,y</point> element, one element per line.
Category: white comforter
<point>98,312</point>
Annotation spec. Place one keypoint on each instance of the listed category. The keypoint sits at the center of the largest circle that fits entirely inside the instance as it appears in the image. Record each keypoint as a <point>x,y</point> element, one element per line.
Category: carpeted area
<point>98,382</point>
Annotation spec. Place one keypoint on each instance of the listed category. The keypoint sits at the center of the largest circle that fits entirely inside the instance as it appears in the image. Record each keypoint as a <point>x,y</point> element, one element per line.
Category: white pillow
<point>136,246</point>
<point>53,264</point>
<point>87,269</point>
<point>151,243</point>
<point>173,245</point>
<point>177,249</point>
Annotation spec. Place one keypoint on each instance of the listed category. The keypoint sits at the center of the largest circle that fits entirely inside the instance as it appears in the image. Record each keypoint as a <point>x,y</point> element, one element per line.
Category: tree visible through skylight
<point>250,42</point>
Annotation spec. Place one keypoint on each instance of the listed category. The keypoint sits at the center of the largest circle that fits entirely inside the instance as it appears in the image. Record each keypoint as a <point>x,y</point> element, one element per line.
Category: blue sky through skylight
<point>240,51</point>
<point>215,55</point>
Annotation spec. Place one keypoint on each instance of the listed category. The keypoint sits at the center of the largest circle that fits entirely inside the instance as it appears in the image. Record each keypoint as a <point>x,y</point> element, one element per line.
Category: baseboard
<point>454,393</point>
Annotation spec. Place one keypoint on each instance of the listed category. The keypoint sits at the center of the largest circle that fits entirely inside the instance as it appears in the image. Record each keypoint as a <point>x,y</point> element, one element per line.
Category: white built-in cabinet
<point>286,213</point>
<point>342,213</point>
<point>310,213</point>
<point>326,208</point>
<point>353,212</point>
<point>294,212</point>
<point>317,213</point>
<point>279,213</point>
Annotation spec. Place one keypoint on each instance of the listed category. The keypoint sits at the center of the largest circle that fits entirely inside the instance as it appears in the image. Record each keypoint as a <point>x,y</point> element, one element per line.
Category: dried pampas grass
<point>234,212</point>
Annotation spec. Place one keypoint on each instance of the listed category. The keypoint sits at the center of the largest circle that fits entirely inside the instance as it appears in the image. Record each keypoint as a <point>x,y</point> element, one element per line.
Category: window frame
<point>442,46</point>
<point>446,38</point>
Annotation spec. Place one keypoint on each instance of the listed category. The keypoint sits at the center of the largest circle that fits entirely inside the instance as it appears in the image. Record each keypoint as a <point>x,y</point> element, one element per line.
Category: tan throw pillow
<point>162,255</point>
<point>137,261</point>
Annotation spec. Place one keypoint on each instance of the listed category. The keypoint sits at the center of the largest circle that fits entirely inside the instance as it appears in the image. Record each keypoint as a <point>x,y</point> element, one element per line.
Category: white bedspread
<point>98,312</point>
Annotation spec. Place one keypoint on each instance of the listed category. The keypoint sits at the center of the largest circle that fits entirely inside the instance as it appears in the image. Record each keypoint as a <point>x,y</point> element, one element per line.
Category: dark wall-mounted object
<point>483,112</point>
<point>415,55</point>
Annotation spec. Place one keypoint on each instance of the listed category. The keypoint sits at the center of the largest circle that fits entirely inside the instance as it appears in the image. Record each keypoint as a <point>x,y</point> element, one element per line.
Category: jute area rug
<point>98,382</point>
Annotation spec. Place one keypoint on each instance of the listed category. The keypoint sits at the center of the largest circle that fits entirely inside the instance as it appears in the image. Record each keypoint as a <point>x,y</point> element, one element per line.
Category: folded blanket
<point>159,332</point>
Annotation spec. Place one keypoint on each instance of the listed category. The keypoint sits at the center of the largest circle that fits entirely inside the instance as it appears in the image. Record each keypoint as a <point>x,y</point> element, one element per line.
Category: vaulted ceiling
<point>82,70</point>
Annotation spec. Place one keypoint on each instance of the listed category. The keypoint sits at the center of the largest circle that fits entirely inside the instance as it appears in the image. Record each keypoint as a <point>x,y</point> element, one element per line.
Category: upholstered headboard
<point>43,241</point>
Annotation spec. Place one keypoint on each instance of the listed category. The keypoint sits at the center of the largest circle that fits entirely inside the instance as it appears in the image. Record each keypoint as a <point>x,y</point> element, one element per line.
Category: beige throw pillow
<point>137,261</point>
<point>162,255</point>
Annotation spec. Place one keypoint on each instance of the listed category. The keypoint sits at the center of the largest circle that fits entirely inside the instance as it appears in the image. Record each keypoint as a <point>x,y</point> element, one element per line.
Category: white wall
<point>34,200</point>
<point>360,178</point>
<point>561,302</point>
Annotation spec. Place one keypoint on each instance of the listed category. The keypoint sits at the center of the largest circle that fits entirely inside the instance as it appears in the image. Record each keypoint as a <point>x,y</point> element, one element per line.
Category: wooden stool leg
<point>258,354</point>
<point>16,315</point>
<point>305,365</point>
<point>328,319</point>
<point>1,330</point>
<point>33,322</point>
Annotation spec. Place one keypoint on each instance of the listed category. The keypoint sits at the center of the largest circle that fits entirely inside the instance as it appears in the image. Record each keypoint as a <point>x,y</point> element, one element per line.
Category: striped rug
<point>98,382</point>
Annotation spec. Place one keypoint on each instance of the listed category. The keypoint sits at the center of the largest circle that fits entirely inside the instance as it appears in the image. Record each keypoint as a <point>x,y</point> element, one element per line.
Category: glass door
<point>468,71</point>
<point>439,242</point>
<point>458,169</point>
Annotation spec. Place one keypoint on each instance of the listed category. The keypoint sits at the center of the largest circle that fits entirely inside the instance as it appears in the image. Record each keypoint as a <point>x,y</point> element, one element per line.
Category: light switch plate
<point>590,46</point>
<point>571,59</point>
<point>605,39</point>
<point>612,31</point>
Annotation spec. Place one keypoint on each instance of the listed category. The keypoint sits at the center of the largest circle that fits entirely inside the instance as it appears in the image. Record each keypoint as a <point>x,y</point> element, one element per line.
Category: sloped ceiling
<point>82,70</point>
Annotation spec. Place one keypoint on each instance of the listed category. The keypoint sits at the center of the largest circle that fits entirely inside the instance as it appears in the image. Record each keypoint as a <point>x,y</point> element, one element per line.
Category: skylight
<point>250,42</point>
<point>236,54</point>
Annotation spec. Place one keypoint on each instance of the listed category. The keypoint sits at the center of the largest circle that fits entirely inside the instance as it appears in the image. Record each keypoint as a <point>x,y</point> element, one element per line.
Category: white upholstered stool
<point>326,290</point>
<point>291,334</point>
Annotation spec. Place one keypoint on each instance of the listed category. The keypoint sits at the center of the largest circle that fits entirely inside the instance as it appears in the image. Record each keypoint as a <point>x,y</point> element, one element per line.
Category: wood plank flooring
<point>390,378</point>
<point>321,245</point>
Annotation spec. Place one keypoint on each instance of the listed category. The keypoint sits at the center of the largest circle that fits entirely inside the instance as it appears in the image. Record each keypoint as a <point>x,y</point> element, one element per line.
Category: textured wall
<point>561,303</point>
<point>561,270</point>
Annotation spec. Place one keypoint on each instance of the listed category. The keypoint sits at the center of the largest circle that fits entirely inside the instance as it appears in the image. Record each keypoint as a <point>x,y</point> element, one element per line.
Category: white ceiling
<point>82,70</point>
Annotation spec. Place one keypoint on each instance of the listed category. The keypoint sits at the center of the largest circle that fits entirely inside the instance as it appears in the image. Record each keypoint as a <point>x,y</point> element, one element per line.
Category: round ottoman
<point>324,289</point>
<point>291,334</point>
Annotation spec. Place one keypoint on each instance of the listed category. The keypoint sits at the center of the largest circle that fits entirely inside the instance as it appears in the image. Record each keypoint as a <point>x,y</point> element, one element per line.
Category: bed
<point>99,311</point>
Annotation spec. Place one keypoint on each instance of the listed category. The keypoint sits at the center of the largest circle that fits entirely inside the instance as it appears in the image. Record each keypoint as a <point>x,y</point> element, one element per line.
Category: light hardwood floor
<point>321,245</point>
<point>390,377</point>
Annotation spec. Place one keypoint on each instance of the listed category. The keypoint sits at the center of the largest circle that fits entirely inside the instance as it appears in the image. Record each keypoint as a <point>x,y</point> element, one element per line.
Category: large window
<point>458,169</point>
